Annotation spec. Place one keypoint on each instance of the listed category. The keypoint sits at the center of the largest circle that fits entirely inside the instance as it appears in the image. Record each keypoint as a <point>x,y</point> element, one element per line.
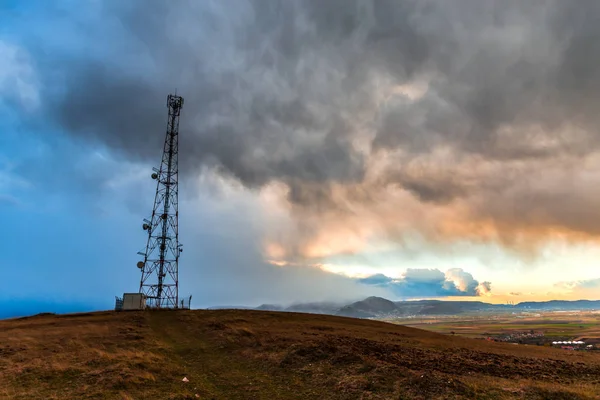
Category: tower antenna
<point>160,268</point>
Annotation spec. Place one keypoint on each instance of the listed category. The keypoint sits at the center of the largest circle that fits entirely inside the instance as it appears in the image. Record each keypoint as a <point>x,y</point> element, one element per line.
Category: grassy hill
<point>243,354</point>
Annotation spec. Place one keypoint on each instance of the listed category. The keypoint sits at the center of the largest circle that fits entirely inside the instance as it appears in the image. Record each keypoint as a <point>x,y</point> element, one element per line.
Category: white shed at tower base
<point>134,301</point>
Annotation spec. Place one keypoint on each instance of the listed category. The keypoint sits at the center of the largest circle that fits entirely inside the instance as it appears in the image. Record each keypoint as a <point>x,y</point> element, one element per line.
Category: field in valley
<point>234,354</point>
<point>555,325</point>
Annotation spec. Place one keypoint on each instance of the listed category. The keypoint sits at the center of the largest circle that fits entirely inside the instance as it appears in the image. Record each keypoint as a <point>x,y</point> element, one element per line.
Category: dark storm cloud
<point>257,81</point>
<point>285,90</point>
<point>264,74</point>
<point>271,88</point>
<point>439,187</point>
<point>213,53</point>
<point>492,64</point>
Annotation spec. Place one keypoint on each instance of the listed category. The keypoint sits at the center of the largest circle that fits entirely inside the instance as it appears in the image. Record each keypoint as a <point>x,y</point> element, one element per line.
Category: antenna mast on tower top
<point>160,272</point>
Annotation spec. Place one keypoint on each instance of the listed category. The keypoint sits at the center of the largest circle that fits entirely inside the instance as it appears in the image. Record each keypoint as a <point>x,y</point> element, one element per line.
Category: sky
<point>329,150</point>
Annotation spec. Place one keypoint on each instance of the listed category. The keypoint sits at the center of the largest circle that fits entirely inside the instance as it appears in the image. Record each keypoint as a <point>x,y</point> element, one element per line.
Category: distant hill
<point>315,308</point>
<point>246,354</point>
<point>378,307</point>
<point>561,305</point>
<point>369,308</point>
<point>270,307</point>
<point>312,308</point>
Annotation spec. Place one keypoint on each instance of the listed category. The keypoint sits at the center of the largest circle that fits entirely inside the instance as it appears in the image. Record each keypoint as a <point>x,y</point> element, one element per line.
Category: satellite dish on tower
<point>140,264</point>
<point>154,175</point>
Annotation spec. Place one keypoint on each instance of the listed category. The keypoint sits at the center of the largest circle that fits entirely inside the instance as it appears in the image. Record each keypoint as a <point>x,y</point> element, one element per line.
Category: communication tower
<point>160,270</point>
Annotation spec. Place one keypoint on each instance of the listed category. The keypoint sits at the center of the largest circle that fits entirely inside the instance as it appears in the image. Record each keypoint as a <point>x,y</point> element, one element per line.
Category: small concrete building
<point>134,301</point>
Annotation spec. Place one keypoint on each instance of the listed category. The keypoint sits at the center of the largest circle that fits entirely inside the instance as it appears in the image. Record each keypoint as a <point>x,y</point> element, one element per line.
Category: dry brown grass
<point>267,355</point>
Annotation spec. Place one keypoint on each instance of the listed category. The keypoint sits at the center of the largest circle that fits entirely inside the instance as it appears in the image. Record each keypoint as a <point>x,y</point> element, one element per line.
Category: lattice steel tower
<point>160,281</point>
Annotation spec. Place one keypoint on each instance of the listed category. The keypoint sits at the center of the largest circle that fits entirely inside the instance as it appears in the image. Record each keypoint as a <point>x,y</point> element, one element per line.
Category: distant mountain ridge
<point>378,307</point>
